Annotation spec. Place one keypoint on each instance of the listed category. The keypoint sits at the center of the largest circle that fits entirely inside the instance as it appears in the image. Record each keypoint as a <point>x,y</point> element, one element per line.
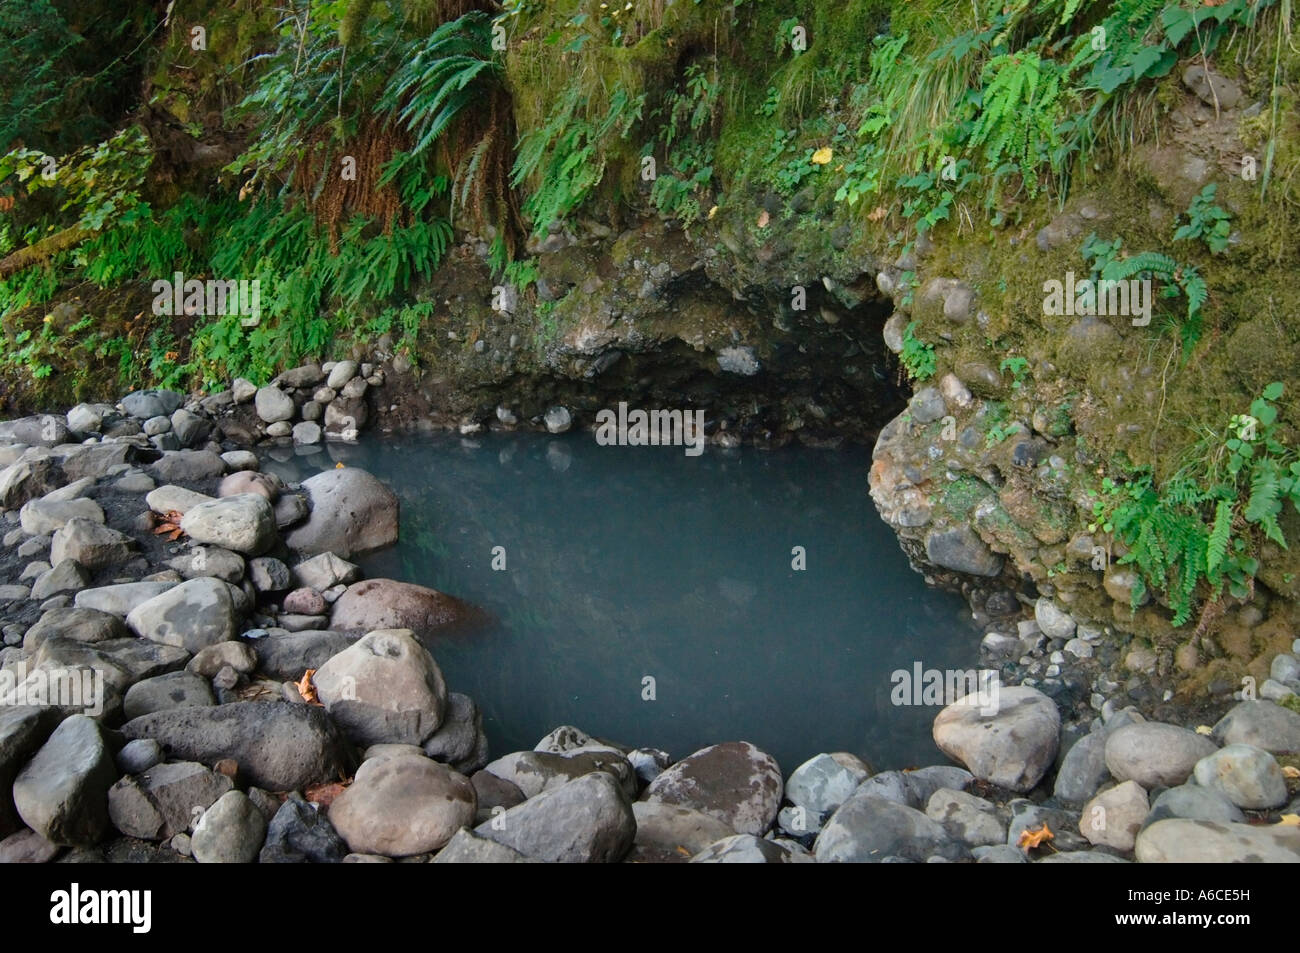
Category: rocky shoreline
<point>194,670</point>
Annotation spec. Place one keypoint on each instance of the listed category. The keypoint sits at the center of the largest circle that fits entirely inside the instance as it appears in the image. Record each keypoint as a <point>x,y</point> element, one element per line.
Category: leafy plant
<point>1206,221</point>
<point>917,356</point>
<point>1018,367</point>
<point>568,155</point>
<point>1200,529</point>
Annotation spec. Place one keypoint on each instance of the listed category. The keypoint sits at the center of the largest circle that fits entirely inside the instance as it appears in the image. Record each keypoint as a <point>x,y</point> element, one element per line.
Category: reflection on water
<point>638,571</point>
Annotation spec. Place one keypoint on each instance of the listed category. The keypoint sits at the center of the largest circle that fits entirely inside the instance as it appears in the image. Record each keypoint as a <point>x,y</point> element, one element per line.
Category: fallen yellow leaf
<point>1290,820</point>
<point>1290,771</point>
<point>713,211</point>
<point>339,465</point>
<point>1204,730</point>
<point>822,156</point>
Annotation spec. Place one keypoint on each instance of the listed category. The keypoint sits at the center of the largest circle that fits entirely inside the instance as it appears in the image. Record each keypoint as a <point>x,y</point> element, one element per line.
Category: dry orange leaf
<point>878,213</point>
<point>339,465</point>
<point>763,219</point>
<point>1290,771</point>
<point>1031,839</point>
<point>306,689</point>
<point>324,794</point>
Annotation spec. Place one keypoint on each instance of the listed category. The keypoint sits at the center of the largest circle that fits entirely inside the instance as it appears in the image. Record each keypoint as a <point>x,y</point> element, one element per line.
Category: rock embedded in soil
<point>91,544</point>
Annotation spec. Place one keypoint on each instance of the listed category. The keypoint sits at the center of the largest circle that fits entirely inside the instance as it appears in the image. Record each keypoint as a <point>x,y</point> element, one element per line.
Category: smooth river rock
<point>734,782</point>
<point>588,820</point>
<point>402,806</point>
<point>1155,754</point>
<point>1185,841</point>
<point>1011,747</point>
<point>62,793</point>
<point>388,604</point>
<point>384,688</point>
<point>352,512</point>
<point>278,746</point>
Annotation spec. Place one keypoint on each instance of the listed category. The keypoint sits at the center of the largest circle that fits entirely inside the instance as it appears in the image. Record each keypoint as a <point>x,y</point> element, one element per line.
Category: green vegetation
<point>1200,529</point>
<point>917,356</point>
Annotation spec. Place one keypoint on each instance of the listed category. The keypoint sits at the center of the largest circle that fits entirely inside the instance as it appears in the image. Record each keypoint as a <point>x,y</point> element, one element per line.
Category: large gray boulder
<point>62,793</point>
<point>287,655</point>
<point>1155,754</point>
<point>278,746</point>
<point>244,523</point>
<point>23,729</point>
<point>384,688</point>
<point>352,512</point>
<point>734,782</point>
<point>588,820</point>
<point>1186,841</point>
<point>536,771</point>
<point>466,847</point>
<point>121,598</point>
<point>868,829</point>
<point>93,545</point>
<point>161,802</point>
<point>69,622</point>
<point>1262,724</point>
<point>193,615</point>
<point>1247,776</point>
